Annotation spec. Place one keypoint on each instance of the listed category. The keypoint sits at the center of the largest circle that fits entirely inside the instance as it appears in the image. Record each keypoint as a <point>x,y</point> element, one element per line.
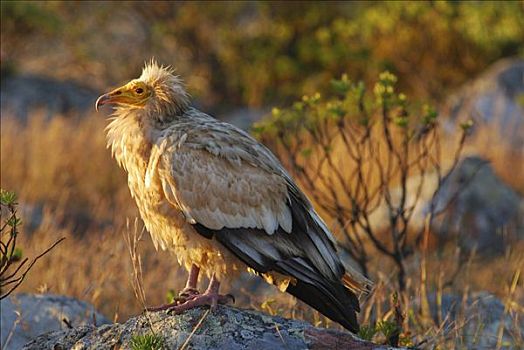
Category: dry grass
<point>68,186</point>
<point>84,197</point>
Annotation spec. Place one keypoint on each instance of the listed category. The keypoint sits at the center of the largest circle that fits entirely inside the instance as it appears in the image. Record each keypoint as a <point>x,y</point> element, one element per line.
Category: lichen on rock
<point>224,328</point>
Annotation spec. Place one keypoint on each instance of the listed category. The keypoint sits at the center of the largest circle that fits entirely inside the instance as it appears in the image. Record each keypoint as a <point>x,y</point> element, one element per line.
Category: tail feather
<point>332,294</point>
<point>312,296</point>
<point>330,298</point>
<point>357,283</point>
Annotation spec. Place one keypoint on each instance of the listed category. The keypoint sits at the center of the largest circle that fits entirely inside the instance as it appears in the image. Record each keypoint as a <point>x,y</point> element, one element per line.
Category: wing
<point>217,193</point>
<point>233,189</point>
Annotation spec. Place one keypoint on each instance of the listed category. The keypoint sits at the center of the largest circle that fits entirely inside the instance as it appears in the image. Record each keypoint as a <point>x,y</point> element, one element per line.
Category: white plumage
<point>221,201</point>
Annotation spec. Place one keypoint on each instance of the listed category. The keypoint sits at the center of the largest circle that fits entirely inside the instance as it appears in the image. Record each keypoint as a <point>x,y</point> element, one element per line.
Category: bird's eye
<point>139,90</point>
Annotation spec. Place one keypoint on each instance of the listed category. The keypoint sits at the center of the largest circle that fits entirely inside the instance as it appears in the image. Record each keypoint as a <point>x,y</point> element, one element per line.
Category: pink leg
<point>189,291</point>
<point>209,297</point>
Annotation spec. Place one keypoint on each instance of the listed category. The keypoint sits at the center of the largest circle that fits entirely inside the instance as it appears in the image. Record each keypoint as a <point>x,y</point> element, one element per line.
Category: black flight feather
<point>315,265</point>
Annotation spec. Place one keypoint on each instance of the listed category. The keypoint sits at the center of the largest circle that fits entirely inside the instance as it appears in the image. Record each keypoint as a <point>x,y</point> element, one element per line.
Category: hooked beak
<point>109,98</point>
<point>102,100</point>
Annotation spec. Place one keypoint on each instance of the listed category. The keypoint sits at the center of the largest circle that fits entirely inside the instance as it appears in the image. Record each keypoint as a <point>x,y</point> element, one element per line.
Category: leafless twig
<point>13,269</point>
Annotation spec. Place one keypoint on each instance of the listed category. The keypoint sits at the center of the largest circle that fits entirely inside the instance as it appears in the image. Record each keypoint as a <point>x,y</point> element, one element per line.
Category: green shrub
<point>359,155</point>
<point>147,342</point>
<point>13,266</point>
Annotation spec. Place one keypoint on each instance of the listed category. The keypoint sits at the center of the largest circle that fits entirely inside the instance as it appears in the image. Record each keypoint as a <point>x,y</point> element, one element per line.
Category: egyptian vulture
<point>221,202</point>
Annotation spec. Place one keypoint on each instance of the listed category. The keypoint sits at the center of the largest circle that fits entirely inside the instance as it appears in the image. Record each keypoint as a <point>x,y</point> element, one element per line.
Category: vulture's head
<point>158,91</point>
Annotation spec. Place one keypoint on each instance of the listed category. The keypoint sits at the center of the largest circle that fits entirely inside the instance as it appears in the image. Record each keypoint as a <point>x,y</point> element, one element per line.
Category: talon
<point>188,293</point>
<point>161,307</point>
<point>171,311</point>
<point>179,300</point>
<point>208,298</point>
<point>232,297</point>
<point>190,298</point>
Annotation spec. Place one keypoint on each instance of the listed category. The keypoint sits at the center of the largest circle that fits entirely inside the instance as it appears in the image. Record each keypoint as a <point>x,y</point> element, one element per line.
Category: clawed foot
<point>185,295</point>
<point>190,298</point>
<point>161,307</point>
<point>208,298</point>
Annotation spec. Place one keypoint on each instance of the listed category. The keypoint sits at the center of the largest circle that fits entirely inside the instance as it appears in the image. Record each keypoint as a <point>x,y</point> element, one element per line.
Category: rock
<point>244,117</point>
<point>25,316</point>
<point>478,320</point>
<point>224,328</point>
<point>473,205</point>
<point>20,95</point>
<point>478,207</point>
<point>493,100</point>
<point>33,214</point>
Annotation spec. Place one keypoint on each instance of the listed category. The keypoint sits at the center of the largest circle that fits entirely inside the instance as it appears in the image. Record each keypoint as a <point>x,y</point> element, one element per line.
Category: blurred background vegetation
<point>241,56</point>
<point>260,53</point>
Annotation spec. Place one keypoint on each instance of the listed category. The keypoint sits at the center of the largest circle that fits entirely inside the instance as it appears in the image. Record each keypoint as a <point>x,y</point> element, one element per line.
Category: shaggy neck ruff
<point>133,130</point>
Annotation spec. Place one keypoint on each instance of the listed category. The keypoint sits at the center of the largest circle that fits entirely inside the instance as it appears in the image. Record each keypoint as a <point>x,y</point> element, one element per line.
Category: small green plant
<point>364,158</point>
<point>147,342</point>
<point>367,332</point>
<point>390,331</point>
<point>171,295</point>
<point>13,267</point>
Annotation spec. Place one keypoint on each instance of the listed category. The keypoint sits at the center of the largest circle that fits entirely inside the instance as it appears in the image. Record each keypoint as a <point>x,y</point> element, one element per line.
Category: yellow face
<point>135,93</point>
